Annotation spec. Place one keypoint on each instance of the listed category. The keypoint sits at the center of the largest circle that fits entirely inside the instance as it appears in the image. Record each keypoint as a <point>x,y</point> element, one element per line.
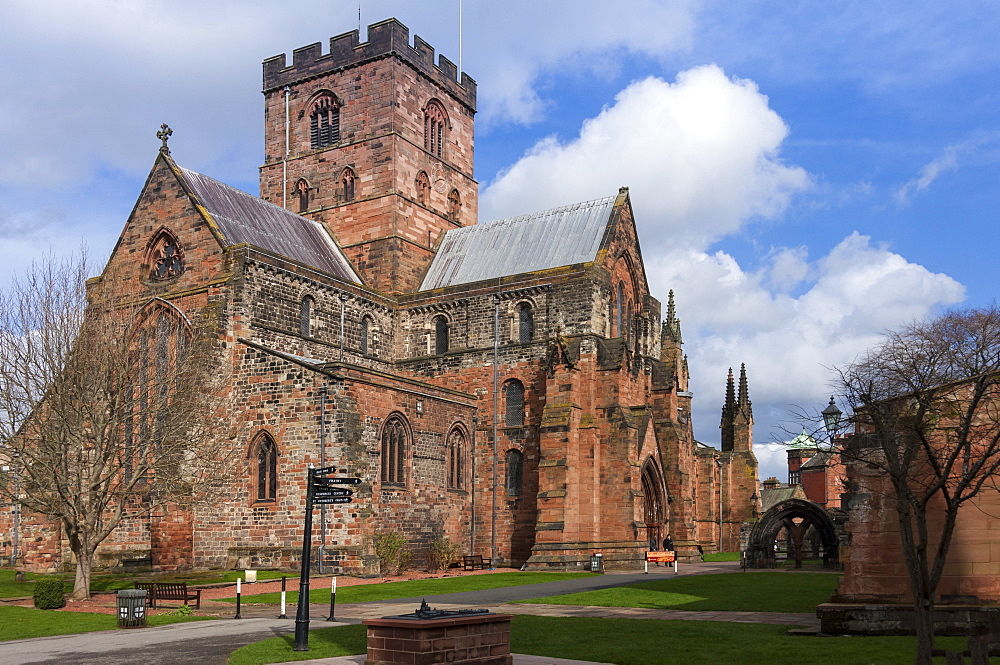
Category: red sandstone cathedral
<point>509,385</point>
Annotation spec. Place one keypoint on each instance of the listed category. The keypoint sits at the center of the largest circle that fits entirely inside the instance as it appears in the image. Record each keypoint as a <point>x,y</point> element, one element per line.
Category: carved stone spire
<point>672,325</point>
<point>744,403</point>
<point>729,414</point>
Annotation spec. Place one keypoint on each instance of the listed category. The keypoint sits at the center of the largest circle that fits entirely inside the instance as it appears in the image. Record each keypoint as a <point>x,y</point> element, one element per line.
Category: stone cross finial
<point>164,135</point>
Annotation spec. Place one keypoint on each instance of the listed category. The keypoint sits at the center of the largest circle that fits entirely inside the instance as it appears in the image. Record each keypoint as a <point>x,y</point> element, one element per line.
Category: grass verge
<point>364,593</point>
<point>114,581</point>
<point>721,556</point>
<point>634,642</point>
<point>730,592</point>
<point>17,623</point>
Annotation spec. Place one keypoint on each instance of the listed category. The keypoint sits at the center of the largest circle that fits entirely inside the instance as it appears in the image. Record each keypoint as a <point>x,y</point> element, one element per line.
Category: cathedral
<point>510,385</point>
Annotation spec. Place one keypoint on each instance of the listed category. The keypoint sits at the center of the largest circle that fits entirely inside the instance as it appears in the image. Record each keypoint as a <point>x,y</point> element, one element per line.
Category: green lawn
<point>732,592</point>
<point>18,623</point>
<point>112,582</point>
<point>634,642</point>
<point>722,556</point>
<point>319,590</point>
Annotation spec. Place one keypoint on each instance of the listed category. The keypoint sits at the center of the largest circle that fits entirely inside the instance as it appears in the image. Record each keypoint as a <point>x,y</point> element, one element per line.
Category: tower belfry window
<point>324,122</point>
<point>434,124</point>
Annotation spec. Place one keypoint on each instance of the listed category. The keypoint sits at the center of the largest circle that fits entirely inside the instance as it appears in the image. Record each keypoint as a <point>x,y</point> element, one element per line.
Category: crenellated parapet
<point>389,37</point>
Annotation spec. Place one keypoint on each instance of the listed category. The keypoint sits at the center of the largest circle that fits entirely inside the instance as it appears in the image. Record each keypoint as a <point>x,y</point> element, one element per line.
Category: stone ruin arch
<point>795,515</point>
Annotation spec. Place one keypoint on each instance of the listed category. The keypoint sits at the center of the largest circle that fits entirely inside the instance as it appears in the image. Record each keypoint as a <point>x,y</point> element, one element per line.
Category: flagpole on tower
<point>460,38</point>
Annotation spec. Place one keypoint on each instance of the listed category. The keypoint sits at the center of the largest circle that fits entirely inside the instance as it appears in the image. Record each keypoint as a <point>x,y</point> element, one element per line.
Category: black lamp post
<point>831,419</point>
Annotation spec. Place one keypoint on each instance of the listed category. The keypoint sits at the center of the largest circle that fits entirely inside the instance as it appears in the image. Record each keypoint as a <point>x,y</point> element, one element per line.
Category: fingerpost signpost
<point>322,489</point>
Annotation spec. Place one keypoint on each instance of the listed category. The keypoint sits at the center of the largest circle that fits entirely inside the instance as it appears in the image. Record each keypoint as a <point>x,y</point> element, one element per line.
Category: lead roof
<point>548,239</point>
<point>243,218</point>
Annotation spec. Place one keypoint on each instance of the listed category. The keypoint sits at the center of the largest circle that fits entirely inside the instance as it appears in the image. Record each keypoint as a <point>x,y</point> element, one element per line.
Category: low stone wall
<point>872,619</point>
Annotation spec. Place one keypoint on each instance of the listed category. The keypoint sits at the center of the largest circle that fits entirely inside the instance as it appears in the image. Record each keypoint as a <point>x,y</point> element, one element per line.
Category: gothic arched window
<point>266,468</point>
<point>456,459</point>
<point>525,323</point>
<point>347,182</point>
<point>454,205</point>
<point>435,121</point>
<point>513,401</point>
<point>515,472</point>
<point>440,335</point>
<point>423,184</point>
<point>302,194</point>
<point>164,257</point>
<point>394,440</point>
<point>324,122</point>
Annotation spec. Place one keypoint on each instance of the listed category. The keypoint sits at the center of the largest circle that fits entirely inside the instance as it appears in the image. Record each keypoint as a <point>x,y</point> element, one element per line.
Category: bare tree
<point>926,405</point>
<point>107,408</point>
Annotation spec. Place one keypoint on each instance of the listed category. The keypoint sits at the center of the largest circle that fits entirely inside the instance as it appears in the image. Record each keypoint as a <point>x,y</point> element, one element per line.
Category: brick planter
<point>472,640</point>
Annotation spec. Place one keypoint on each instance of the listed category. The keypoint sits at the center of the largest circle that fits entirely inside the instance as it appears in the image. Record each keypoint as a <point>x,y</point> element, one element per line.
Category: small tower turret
<point>737,414</point>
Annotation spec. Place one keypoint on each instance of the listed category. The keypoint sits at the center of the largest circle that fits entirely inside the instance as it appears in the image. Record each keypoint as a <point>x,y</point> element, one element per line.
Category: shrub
<point>443,553</point>
<point>389,547</point>
<point>403,561</point>
<point>49,594</point>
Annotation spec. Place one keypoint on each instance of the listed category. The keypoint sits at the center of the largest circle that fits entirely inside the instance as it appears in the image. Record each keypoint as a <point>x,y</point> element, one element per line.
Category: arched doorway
<point>794,518</point>
<point>654,513</point>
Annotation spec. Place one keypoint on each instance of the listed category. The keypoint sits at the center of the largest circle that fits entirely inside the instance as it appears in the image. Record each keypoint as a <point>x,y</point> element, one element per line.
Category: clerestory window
<point>525,323</point>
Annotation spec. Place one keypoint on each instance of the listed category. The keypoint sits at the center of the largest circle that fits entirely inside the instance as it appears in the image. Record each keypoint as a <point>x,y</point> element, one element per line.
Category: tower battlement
<point>389,37</point>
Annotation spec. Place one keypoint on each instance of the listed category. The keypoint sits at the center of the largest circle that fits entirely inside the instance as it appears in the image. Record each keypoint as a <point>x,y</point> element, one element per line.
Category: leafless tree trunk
<point>107,404</point>
<point>926,408</point>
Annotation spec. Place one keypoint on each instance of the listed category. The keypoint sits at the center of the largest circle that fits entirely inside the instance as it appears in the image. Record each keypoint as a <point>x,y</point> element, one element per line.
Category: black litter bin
<point>597,563</point>
<point>131,608</point>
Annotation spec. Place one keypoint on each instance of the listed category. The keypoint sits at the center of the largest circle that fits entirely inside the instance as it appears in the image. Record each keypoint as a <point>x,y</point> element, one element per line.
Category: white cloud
<point>772,460</point>
<point>947,161</point>
<point>699,155</point>
<point>731,316</point>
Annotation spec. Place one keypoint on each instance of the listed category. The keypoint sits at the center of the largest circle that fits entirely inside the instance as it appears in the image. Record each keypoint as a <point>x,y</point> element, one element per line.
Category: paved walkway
<point>211,642</point>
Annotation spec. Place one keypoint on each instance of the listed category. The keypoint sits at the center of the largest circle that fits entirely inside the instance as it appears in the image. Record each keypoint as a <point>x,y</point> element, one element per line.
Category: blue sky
<point>805,175</point>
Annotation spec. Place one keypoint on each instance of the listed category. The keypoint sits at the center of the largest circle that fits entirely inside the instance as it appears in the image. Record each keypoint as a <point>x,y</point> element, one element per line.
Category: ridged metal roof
<point>548,239</point>
<point>242,217</point>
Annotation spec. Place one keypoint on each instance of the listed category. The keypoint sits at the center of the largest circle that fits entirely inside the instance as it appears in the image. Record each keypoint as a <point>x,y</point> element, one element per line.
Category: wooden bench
<point>474,561</point>
<point>178,591</point>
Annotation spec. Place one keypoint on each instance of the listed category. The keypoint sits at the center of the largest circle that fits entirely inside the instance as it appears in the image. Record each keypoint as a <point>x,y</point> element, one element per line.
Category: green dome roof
<point>802,441</point>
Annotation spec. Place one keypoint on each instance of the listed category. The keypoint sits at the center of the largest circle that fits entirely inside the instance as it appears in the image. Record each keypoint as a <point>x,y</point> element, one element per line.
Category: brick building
<point>818,469</point>
<point>508,385</point>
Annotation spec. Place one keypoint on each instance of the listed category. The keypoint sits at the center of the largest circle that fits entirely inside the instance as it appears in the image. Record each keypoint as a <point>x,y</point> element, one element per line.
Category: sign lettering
<point>332,492</point>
